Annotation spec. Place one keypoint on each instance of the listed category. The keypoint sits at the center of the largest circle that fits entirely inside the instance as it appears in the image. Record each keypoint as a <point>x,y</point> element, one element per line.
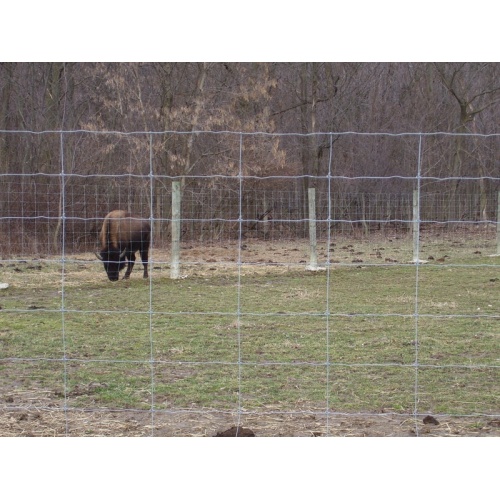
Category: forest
<point>109,126</point>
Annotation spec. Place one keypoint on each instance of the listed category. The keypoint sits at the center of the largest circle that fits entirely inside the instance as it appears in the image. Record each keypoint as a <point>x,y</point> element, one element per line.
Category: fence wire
<point>396,322</point>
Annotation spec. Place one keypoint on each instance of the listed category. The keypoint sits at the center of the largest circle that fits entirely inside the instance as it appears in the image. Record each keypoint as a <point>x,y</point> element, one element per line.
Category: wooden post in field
<point>313,259</point>
<point>498,224</point>
<point>176,230</point>
<point>498,227</point>
<point>416,228</point>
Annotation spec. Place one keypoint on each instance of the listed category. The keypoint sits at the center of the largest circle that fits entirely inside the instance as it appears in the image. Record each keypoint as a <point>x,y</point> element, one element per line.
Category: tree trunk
<point>198,105</point>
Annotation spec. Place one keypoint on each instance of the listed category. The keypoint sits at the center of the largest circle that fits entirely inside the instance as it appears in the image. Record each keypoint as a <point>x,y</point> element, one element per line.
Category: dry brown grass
<point>269,422</point>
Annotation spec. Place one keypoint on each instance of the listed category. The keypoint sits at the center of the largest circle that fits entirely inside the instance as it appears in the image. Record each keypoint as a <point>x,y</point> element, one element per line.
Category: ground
<point>37,422</point>
<point>25,413</point>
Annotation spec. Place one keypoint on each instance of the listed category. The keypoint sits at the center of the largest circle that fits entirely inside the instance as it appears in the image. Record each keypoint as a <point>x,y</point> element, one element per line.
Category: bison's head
<point>113,261</point>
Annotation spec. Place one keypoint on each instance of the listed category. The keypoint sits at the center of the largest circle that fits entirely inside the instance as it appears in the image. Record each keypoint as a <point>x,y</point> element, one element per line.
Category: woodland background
<point>256,97</point>
<point>106,164</point>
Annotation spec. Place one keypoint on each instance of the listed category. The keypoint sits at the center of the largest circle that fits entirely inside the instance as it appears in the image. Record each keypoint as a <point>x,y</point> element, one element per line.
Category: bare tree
<point>475,88</point>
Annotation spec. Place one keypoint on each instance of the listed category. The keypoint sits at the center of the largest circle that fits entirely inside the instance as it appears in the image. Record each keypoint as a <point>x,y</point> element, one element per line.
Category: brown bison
<point>122,235</point>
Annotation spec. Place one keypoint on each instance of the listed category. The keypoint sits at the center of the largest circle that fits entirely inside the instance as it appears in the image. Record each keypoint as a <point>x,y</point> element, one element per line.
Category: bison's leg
<point>144,258</point>
<point>130,265</point>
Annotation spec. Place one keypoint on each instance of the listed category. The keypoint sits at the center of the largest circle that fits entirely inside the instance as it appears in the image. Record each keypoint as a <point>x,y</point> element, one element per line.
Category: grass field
<point>365,347</point>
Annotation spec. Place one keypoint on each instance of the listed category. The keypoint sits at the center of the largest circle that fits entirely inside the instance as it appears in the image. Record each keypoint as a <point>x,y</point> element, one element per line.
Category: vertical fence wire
<point>417,269</point>
<point>150,312</point>
<point>62,214</point>
<point>239,286</point>
<point>328,284</point>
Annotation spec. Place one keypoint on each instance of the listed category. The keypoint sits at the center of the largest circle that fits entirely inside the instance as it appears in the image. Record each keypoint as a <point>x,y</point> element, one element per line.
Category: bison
<point>122,235</point>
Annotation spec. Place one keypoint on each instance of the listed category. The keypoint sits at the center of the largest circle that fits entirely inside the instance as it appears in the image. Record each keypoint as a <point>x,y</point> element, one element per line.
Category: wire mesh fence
<point>399,321</point>
<point>31,212</point>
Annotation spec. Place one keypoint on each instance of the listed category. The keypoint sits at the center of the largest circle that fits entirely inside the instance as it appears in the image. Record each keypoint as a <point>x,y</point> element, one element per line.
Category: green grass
<point>276,338</point>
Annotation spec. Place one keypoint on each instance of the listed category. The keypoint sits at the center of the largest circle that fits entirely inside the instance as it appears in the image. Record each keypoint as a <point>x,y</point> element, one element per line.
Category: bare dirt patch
<point>53,423</point>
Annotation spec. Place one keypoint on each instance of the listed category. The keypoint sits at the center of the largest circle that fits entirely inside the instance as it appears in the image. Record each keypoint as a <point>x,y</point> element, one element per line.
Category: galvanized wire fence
<point>235,189</point>
<point>30,215</point>
<point>367,184</point>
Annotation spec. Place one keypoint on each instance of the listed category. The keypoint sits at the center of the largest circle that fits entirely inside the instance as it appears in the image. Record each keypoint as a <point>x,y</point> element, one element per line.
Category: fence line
<point>59,214</point>
<point>285,219</point>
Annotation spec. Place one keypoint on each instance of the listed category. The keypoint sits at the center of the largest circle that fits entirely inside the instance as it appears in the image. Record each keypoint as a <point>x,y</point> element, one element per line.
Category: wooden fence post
<point>176,230</point>
<point>313,259</point>
<point>498,224</point>
<point>498,227</point>
<point>416,228</point>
